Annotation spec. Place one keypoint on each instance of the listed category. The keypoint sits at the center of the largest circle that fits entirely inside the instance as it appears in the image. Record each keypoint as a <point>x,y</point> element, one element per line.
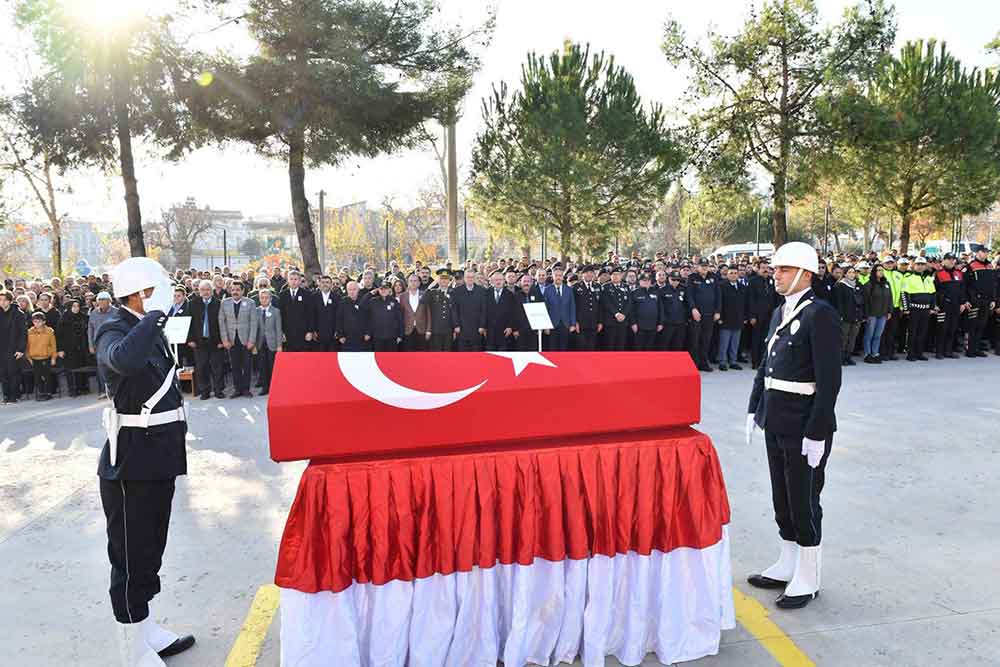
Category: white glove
<point>751,427</point>
<point>161,299</point>
<point>813,451</point>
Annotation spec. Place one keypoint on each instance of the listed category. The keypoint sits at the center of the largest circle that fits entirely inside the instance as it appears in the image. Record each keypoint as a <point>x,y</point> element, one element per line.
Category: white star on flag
<point>521,360</point>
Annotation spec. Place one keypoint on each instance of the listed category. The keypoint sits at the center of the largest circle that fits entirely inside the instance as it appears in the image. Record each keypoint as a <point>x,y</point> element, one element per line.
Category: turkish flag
<point>362,405</point>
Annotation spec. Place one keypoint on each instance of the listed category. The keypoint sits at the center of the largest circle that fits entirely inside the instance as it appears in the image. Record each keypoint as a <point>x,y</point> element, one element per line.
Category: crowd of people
<point>718,309</point>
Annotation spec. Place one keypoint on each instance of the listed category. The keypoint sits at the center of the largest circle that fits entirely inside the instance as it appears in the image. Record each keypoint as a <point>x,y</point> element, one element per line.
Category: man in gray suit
<point>238,322</point>
<point>268,338</point>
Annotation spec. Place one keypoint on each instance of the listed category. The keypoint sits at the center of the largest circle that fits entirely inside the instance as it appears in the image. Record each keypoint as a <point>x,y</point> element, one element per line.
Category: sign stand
<point>176,332</point>
<point>538,318</point>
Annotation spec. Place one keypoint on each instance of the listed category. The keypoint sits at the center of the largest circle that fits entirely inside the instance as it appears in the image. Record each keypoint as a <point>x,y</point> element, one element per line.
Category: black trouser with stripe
<point>795,489</point>
<point>138,514</point>
<point>919,321</point>
<point>947,329</point>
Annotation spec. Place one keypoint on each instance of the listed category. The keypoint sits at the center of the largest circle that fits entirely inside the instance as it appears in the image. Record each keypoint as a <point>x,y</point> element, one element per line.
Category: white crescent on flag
<point>363,373</point>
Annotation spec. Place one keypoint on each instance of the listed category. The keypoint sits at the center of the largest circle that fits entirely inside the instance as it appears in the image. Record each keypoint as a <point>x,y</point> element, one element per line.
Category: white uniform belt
<point>153,419</point>
<point>803,388</point>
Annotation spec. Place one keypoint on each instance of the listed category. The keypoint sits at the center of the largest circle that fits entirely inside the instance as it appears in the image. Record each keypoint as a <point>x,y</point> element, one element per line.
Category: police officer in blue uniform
<point>675,313</point>
<point>793,400</point>
<point>704,302</point>
<point>614,310</point>
<point>645,315</point>
<point>143,455</point>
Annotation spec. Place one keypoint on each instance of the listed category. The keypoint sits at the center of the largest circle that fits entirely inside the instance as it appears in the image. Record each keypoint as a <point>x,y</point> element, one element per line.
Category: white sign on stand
<point>538,319</point>
<point>176,333</point>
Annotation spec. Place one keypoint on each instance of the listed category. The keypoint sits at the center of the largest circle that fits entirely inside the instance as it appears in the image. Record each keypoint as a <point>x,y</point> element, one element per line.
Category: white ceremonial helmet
<point>798,255</point>
<point>136,274</point>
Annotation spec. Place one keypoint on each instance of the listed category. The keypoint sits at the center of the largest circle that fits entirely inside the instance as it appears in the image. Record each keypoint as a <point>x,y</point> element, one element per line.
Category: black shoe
<point>722,367</point>
<point>741,359</point>
<point>981,354</point>
<point>971,355</point>
<point>850,362</point>
<point>870,360</point>
<point>951,356</point>
<point>760,581</point>
<point>179,646</point>
<point>263,392</point>
<point>236,394</point>
<point>734,367</point>
<point>220,394</point>
<point>795,601</point>
<point>922,358</point>
<point>44,397</point>
<point>876,360</point>
<point>705,369</point>
<point>939,356</point>
<point>911,358</point>
<point>205,397</point>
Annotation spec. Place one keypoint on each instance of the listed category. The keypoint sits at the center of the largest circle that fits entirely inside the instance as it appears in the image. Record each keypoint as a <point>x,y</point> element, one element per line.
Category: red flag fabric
<point>362,405</point>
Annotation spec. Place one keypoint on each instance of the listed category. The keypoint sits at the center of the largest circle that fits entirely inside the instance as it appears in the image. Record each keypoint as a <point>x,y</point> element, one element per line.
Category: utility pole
<point>465,234</point>
<point>452,187</point>
<point>826,230</point>
<point>757,232</point>
<point>322,232</point>
<point>387,244</point>
<point>544,249</point>
<point>225,248</point>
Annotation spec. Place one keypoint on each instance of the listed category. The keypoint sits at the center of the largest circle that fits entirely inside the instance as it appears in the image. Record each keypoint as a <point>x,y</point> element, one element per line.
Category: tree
<point>334,79</point>
<point>925,136</point>
<point>109,78</point>
<point>33,164</point>
<point>573,148</point>
<point>179,229</point>
<point>766,84</point>
<point>252,248</point>
<point>720,213</point>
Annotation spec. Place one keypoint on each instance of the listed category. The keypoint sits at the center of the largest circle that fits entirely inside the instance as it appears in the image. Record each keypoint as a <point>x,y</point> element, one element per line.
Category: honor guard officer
<point>794,395</point>
<point>144,453</point>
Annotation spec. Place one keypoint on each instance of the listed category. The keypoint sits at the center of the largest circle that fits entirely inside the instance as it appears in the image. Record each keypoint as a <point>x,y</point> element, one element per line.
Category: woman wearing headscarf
<point>71,341</point>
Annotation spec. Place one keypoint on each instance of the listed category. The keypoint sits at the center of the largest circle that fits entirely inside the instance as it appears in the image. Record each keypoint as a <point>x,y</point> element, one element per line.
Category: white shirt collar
<point>792,300</point>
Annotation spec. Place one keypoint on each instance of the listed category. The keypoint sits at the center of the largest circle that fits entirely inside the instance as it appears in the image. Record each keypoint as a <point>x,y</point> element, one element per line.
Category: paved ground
<point>911,536</point>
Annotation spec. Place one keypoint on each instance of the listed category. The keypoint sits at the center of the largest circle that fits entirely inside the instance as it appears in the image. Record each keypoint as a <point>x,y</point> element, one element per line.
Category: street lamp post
<point>225,248</point>
<point>826,230</point>
<point>757,232</point>
<point>465,234</point>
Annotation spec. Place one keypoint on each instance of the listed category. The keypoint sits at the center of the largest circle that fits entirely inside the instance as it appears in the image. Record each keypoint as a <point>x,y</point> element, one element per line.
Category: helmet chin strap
<point>791,288</point>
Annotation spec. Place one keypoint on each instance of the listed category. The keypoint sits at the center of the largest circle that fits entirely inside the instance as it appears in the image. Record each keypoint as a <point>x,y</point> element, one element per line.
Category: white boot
<point>132,646</point>
<point>784,569</point>
<point>806,580</point>
<point>156,636</point>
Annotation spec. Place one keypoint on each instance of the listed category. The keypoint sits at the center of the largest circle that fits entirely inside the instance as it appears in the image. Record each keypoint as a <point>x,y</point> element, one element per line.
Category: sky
<point>631,30</point>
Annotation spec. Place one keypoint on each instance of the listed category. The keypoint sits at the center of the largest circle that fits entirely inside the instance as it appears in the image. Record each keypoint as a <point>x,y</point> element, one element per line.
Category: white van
<point>731,251</point>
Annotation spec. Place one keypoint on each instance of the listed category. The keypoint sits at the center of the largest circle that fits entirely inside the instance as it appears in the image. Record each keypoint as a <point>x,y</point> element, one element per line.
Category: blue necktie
<point>204,320</point>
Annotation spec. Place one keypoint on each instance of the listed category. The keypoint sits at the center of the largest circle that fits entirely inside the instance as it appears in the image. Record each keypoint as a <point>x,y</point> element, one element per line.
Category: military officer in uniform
<point>438,300</point>
<point>144,453</point>
<point>794,395</point>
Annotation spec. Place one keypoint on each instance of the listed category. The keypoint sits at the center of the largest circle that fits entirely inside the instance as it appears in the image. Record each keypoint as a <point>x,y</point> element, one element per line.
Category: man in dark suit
<point>353,329</point>
<point>325,315</point>
<point>469,302</point>
<point>499,315</point>
<point>205,340</point>
<point>561,304</point>
<point>588,311</point>
<point>793,400</point>
<point>732,317</point>
<point>12,345</point>
<point>761,302</point>
<point>297,309</point>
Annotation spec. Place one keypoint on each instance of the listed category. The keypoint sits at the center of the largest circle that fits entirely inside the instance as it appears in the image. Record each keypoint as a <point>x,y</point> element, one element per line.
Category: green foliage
<point>925,136</point>
<point>720,214</point>
<point>766,84</point>
<point>334,79</point>
<point>572,149</point>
